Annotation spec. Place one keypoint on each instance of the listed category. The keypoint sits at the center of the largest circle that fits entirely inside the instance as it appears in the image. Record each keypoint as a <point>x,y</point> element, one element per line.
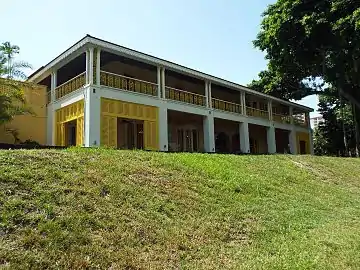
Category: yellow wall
<point>66,114</point>
<point>31,126</point>
<point>303,136</point>
<point>112,109</point>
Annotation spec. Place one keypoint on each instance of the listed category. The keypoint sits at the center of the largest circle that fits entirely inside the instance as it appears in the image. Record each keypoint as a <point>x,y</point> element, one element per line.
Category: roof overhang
<point>80,46</point>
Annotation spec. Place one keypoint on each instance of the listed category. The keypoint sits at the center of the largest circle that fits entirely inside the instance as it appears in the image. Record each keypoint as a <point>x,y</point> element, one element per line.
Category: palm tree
<point>12,100</point>
<point>12,69</point>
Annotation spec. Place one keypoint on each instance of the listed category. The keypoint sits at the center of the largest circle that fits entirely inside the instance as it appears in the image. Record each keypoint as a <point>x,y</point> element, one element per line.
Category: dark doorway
<point>70,133</point>
<point>302,147</point>
<point>130,134</point>
<point>222,143</point>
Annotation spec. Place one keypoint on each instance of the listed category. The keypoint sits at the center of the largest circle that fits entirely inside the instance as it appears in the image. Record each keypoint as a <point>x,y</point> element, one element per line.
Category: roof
<point>103,44</point>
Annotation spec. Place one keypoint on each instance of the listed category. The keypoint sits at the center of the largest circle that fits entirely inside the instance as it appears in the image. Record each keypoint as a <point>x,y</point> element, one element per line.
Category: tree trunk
<point>356,113</point>
<point>347,153</point>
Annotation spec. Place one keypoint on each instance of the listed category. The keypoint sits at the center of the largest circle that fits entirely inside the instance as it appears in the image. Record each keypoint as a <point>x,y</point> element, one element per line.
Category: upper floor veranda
<point>92,61</point>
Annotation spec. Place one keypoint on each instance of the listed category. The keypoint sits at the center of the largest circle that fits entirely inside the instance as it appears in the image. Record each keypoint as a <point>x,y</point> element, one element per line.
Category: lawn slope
<point>108,209</point>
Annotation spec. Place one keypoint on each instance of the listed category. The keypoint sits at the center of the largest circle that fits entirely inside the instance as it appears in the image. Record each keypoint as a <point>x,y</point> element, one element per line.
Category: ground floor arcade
<point>127,125</point>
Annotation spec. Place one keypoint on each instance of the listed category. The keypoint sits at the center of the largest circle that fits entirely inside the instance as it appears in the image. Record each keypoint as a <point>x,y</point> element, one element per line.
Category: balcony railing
<point>184,96</point>
<point>281,118</point>
<point>250,111</point>
<point>70,86</point>
<point>226,106</point>
<point>128,84</point>
<point>300,121</point>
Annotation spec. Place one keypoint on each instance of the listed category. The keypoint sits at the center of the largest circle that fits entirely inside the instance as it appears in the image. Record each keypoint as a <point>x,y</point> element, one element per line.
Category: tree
<point>12,101</point>
<point>312,47</point>
<point>328,136</point>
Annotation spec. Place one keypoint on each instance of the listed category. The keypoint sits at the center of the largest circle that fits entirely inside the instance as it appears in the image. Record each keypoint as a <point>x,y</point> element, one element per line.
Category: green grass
<point>108,209</point>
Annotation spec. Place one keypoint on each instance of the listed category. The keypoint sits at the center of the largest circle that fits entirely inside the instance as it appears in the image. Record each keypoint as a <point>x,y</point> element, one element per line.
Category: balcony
<point>129,84</point>
<point>184,96</point>
<point>70,86</point>
<point>281,118</point>
<point>250,111</point>
<point>300,121</point>
<point>226,106</point>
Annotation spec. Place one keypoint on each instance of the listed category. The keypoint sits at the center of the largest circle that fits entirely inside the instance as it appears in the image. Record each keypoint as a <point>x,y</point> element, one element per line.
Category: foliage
<point>12,100</point>
<point>312,46</point>
<point>110,209</point>
<point>329,136</point>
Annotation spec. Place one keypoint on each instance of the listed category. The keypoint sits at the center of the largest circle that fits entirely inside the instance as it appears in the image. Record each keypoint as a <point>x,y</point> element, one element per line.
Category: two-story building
<point>103,94</point>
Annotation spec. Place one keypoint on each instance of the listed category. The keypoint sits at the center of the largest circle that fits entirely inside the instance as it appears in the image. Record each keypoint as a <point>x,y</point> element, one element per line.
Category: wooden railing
<point>128,84</point>
<point>226,106</point>
<point>70,86</point>
<point>300,121</point>
<point>281,118</point>
<point>250,111</point>
<point>184,96</point>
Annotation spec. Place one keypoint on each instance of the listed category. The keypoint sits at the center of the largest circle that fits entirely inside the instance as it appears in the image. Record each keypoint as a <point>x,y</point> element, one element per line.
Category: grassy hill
<point>108,209</point>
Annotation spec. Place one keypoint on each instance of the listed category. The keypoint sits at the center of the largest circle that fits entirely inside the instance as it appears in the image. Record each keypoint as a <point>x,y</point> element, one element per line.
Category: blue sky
<point>213,36</point>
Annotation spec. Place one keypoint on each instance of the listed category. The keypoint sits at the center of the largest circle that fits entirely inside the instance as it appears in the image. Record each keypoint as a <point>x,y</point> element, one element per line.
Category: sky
<point>212,36</point>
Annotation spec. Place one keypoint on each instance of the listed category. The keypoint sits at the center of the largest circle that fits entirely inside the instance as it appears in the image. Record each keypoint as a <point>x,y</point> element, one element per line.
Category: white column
<point>87,68</point>
<point>311,142</point>
<point>270,110</point>
<point>243,102</point>
<point>91,118</point>
<point>209,94</point>
<point>53,85</point>
<point>50,125</point>
<point>158,81</point>
<point>293,141</point>
<point>291,112</point>
<point>98,54</point>
<point>209,135</point>
<point>163,129</point>
<point>271,140</point>
<point>163,94</point>
<point>91,66</point>
<point>244,137</point>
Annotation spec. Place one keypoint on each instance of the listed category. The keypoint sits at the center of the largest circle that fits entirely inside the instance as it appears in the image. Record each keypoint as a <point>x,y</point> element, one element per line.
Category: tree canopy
<point>311,46</point>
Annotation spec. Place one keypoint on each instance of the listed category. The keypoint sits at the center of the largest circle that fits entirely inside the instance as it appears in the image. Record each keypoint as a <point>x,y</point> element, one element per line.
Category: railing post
<point>53,86</point>
<point>163,90</point>
<point>98,54</point>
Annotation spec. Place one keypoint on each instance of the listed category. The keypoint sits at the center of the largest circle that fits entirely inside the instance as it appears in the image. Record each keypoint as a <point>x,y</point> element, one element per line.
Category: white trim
<point>158,80</point>
<point>158,62</point>
<point>91,66</point>
<point>98,55</point>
